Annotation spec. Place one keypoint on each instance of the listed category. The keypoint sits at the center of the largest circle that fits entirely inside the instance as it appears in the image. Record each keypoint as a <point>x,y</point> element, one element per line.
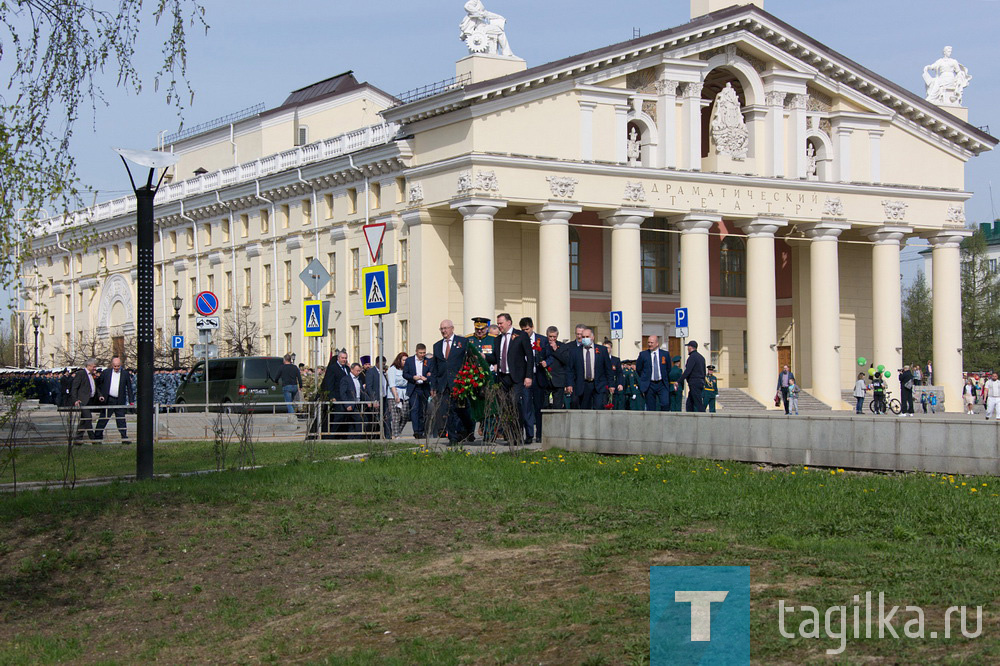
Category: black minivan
<point>233,381</point>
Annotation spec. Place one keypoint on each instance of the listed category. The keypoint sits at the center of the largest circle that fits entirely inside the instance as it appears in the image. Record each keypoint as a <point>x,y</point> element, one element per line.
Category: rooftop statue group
<point>946,80</point>
<point>483,31</point>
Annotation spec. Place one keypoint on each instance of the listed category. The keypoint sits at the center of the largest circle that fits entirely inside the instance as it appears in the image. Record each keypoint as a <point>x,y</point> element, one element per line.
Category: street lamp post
<point>177,303</point>
<point>144,196</point>
<point>36,321</point>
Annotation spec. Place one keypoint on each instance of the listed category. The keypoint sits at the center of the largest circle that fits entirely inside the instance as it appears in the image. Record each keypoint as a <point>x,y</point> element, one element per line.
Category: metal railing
<point>237,116</point>
<point>431,89</point>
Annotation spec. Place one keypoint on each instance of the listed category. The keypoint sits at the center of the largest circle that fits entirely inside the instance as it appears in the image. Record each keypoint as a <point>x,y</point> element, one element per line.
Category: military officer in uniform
<point>484,342</point>
<point>711,390</point>
<point>633,398</point>
<point>616,382</point>
<point>676,387</point>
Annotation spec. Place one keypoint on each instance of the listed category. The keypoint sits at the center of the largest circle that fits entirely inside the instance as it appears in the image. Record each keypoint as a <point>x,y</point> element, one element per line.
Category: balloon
<point>888,374</point>
<point>862,360</point>
<point>871,372</point>
<point>881,368</point>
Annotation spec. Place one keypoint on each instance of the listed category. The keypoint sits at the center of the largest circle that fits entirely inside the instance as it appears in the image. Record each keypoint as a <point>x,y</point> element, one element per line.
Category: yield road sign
<point>681,318</point>
<point>315,277</point>
<point>206,323</point>
<point>374,233</point>
<point>312,319</point>
<point>376,284</point>
<point>177,342</point>
<point>616,321</point>
<point>206,303</point>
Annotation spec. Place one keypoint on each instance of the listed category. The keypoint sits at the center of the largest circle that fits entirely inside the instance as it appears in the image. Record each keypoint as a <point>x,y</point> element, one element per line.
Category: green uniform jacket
<point>711,389</point>
<point>676,395</point>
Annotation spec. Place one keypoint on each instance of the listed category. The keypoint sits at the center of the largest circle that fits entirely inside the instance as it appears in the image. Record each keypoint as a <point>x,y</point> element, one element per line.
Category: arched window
<point>733,267</point>
<point>574,259</point>
<point>655,257</point>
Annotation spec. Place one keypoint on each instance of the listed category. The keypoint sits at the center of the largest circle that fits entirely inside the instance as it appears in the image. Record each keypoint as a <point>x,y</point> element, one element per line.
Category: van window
<point>222,370</point>
<point>261,369</point>
<point>197,374</point>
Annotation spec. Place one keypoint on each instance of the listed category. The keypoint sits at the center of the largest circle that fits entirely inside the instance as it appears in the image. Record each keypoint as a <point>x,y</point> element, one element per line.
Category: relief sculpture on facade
<point>729,131</point>
<point>562,187</point>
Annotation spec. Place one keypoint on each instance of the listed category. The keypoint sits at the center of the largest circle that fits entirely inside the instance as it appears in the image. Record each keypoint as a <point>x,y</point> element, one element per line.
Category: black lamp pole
<point>35,321</point>
<point>178,302</point>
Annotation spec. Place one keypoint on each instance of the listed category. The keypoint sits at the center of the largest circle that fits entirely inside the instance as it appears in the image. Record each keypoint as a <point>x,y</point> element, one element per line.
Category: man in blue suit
<point>417,373</point>
<point>591,370</point>
<point>653,369</point>
<point>115,384</point>
<point>449,357</point>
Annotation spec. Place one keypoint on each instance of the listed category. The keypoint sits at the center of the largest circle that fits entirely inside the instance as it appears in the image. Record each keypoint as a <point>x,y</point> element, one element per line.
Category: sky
<point>258,51</point>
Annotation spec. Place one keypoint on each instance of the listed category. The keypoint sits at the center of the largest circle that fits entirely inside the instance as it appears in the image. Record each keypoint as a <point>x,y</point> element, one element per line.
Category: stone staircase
<point>737,401</point>
<point>809,404</point>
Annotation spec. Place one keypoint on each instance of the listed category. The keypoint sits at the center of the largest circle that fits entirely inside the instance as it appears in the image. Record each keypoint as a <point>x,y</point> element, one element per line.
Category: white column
<point>887,309</point>
<point>797,164</point>
<point>621,133</point>
<point>553,266</point>
<point>626,273</point>
<point>692,126</point>
<point>775,133</point>
<point>587,130</point>
<point>666,121</point>
<point>429,275</point>
<point>762,336</point>
<point>843,141</point>
<point>824,284</point>
<point>946,296</point>
<point>875,143</point>
<point>478,281</point>
<point>695,285</point>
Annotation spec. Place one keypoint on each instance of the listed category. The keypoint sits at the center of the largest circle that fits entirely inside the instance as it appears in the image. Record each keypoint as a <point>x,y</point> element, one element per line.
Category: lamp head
<point>152,159</point>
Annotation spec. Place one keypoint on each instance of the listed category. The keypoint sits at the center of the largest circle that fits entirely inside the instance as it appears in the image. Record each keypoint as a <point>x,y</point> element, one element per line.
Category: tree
<point>980,306</point>
<point>57,53</point>
<point>917,322</point>
<point>240,332</point>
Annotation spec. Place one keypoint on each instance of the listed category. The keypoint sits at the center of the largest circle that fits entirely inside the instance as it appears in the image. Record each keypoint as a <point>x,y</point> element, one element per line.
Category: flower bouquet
<point>470,383</point>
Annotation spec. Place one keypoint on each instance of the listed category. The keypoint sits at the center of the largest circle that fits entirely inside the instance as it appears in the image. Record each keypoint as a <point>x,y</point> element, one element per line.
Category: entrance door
<point>118,347</point>
<point>674,345</point>
<point>784,357</point>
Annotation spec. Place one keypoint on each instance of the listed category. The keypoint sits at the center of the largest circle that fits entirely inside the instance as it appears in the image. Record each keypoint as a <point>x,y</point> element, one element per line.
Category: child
<point>923,401</point>
<point>793,397</point>
<point>933,402</point>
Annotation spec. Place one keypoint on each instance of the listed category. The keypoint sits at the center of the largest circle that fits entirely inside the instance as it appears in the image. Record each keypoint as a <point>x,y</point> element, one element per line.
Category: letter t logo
<point>701,611</point>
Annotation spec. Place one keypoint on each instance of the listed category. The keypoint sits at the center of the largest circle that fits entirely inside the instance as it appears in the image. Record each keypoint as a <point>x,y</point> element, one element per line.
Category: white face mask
<point>587,342</point>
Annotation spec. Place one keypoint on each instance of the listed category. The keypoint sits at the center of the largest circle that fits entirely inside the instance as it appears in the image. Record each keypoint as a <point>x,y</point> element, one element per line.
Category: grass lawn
<point>451,559</point>
<point>46,463</point>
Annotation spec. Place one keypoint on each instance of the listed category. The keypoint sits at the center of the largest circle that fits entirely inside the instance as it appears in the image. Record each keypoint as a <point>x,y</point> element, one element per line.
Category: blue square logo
<point>699,615</point>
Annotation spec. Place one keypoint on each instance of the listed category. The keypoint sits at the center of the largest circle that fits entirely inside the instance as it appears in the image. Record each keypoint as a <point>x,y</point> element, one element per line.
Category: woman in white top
<point>400,407</point>
<point>969,395</point>
<point>860,388</point>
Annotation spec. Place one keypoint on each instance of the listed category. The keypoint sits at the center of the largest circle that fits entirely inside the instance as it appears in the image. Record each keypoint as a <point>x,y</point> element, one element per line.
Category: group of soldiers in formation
<point>52,387</point>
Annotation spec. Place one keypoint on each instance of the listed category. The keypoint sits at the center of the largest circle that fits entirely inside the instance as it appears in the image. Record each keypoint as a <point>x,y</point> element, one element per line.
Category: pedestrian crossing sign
<point>378,298</point>
<point>313,318</point>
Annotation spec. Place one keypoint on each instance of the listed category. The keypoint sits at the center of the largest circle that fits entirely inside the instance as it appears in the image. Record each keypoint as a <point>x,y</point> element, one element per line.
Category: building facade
<point>732,165</point>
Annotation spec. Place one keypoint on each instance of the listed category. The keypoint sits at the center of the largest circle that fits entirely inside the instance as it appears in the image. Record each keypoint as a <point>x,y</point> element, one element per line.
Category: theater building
<point>731,165</point>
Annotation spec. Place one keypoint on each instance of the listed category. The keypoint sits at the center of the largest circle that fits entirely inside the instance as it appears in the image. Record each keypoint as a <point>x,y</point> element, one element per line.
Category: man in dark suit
<point>591,368</point>
<point>417,373</point>
<point>531,397</point>
<point>555,369</point>
<point>336,371</point>
<point>83,394</point>
<point>616,377</point>
<point>653,370</point>
<point>115,385</point>
<point>449,357</point>
<point>374,391</point>
<point>694,373</point>
<point>515,363</point>
<point>350,395</point>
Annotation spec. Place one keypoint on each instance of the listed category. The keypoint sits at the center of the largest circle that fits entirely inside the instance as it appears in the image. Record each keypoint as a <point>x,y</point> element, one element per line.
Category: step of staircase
<point>808,403</point>
<point>735,401</point>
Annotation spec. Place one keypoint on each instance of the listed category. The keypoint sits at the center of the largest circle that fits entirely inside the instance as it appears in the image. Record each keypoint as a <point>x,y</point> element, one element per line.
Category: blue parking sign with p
<point>616,320</point>
<point>177,342</point>
<point>681,317</point>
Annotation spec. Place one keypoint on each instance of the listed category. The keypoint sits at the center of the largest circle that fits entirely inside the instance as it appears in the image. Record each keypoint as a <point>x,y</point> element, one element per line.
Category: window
<point>744,352</point>
<point>355,343</point>
<point>265,296</point>
<point>66,305</point>
<point>352,200</point>
<point>244,226</point>
<point>331,260</point>
<point>404,335</point>
<point>655,258</point>
<point>307,212</point>
<point>173,241</point>
<point>284,216</point>
<point>288,343</point>
<point>225,230</point>
<point>116,255</point>
<point>265,221</point>
<point>328,200</point>
<point>375,200</point>
<point>194,289</point>
<point>400,190</point>
<point>158,272</point>
<point>229,290</point>
<point>189,236</point>
<point>404,262</point>
<point>288,281</point>
<point>211,283</point>
<point>79,302</point>
<point>102,257</point>
<point>79,263</point>
<point>247,286</point>
<point>732,267</point>
<point>302,136</point>
<point>128,252</point>
<point>65,263</point>
<point>267,345</point>
<point>176,289</point>
<point>716,348</point>
<point>574,259</point>
<point>206,232</point>
<point>66,341</point>
<point>355,269</point>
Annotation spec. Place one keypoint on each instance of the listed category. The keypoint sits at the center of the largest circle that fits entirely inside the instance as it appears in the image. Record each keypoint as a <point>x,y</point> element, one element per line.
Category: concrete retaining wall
<point>860,442</point>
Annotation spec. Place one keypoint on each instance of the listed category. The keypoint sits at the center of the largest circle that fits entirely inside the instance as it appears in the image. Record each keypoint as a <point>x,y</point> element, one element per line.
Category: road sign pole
<point>208,341</point>
<point>384,376</point>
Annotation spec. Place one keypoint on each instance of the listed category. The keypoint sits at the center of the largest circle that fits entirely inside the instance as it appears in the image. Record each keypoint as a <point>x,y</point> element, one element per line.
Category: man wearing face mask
<point>591,368</point>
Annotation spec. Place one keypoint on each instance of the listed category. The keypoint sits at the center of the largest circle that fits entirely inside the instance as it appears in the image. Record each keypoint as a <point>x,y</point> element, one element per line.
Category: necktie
<point>447,348</point>
<point>656,367</point>
<point>503,356</point>
<point>588,368</point>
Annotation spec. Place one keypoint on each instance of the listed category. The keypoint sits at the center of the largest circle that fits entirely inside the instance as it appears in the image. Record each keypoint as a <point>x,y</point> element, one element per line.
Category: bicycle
<point>891,404</point>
